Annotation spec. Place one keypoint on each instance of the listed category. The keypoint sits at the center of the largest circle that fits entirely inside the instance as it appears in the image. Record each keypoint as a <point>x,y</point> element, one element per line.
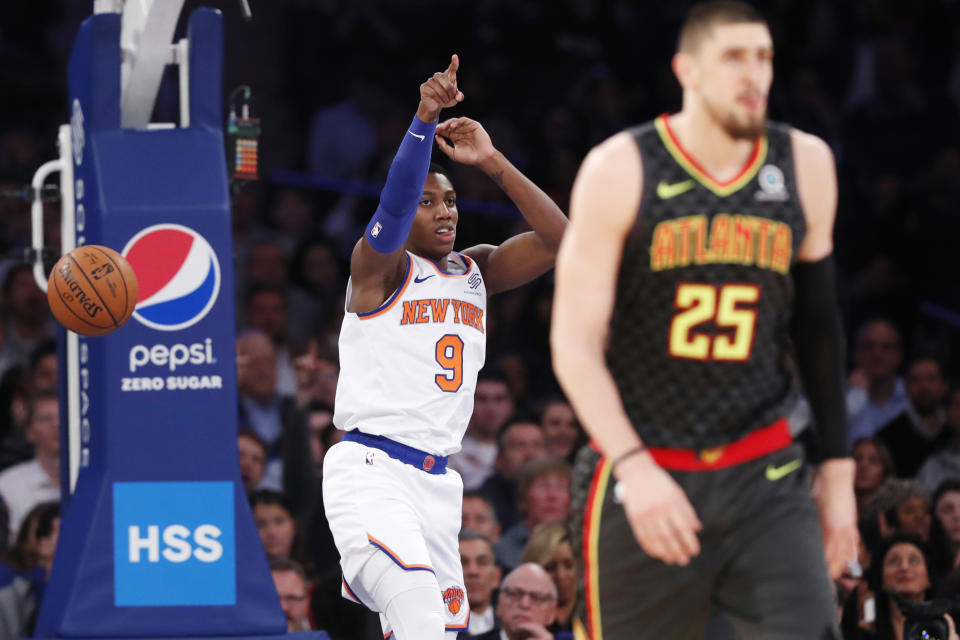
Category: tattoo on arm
<point>498,178</point>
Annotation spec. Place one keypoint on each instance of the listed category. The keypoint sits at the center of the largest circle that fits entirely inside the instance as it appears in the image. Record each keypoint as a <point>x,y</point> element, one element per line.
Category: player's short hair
<point>439,169</point>
<point>702,18</point>
<point>539,468</point>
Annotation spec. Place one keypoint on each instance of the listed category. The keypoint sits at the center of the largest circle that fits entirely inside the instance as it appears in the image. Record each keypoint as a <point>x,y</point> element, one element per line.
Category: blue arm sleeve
<point>401,194</point>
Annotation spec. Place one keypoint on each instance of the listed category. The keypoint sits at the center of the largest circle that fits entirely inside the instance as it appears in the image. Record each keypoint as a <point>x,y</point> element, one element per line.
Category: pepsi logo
<point>178,274</point>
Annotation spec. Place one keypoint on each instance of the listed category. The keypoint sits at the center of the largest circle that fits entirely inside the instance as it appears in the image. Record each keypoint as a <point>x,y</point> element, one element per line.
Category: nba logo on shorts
<point>178,273</point>
<point>174,544</point>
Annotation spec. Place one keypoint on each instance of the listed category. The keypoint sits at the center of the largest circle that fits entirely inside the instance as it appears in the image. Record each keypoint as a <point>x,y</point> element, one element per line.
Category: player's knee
<point>417,614</point>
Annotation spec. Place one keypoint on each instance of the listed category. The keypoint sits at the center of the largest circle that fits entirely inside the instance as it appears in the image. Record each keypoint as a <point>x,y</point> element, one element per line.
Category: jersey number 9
<point>450,358</point>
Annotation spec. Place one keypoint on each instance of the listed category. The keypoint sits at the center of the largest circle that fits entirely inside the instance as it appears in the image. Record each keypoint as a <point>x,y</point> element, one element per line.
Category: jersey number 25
<point>699,303</point>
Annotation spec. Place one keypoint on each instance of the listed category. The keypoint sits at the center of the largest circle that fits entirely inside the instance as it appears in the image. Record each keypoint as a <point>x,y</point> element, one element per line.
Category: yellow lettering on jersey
<point>730,239</point>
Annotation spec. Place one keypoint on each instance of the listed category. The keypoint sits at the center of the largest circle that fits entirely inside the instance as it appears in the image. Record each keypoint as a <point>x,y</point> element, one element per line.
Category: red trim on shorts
<point>755,444</point>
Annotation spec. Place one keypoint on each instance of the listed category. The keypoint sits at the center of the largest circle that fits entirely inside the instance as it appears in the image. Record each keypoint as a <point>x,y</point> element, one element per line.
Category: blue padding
<point>414,457</point>
<point>390,225</point>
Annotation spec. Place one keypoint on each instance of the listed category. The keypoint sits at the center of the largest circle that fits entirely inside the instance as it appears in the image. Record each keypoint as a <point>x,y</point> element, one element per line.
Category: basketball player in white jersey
<point>412,341</point>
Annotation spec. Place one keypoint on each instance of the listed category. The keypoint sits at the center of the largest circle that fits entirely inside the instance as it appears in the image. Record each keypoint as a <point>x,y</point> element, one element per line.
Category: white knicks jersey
<point>408,369</point>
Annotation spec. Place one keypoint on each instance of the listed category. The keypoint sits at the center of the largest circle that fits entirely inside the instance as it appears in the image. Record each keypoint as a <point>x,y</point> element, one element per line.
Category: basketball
<point>92,290</point>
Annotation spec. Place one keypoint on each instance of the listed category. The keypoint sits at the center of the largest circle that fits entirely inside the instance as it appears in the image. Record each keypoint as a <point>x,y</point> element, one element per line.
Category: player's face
<point>480,573</point>
<point>905,570</point>
<point>435,227</point>
<point>478,517</point>
<point>948,513</point>
<point>731,72</point>
<point>914,516</point>
<point>563,569</point>
<point>869,475</point>
<point>276,529</point>
<point>560,429</point>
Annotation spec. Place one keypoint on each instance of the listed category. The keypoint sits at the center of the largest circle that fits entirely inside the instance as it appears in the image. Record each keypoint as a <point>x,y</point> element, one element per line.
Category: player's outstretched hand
<point>662,518</point>
<point>833,492</point>
<point>440,92</point>
<point>471,143</point>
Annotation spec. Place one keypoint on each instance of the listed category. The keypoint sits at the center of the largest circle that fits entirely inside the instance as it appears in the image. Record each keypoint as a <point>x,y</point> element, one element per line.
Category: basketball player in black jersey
<point>699,247</point>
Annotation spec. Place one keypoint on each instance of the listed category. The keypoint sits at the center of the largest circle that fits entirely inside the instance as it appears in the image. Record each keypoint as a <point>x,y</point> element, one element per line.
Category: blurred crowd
<point>335,84</point>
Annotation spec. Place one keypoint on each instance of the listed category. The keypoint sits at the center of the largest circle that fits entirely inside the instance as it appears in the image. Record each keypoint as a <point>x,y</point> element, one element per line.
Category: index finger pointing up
<point>452,69</point>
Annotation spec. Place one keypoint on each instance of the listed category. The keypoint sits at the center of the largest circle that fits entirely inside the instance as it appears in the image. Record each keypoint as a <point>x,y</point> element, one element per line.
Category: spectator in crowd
<point>277,525</point>
<point>267,267</point>
<point>43,365</point>
<point>876,395</point>
<point>561,429</point>
<point>551,547</point>
<point>26,318</point>
<point>526,606</point>
<point>944,464</point>
<point>318,271</point>
<point>253,458</point>
<point>874,466</point>
<point>266,310</point>
<point>479,516</point>
<point>15,392</point>
<point>544,496</point>
<point>37,480</point>
<point>291,583</point>
<point>492,407</point>
<point>920,429</point>
<point>317,374</point>
<point>946,509</point>
<point>481,575</point>
<point>24,575</point>
<point>519,442</point>
<point>901,568</point>
<point>320,425</point>
<point>274,418</point>
<point>901,505</point>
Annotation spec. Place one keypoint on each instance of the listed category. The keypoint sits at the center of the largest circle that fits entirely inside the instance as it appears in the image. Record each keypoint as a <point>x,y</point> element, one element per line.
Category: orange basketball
<point>92,290</point>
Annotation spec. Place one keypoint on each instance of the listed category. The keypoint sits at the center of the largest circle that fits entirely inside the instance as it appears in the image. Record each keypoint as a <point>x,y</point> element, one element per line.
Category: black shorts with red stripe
<point>761,562</point>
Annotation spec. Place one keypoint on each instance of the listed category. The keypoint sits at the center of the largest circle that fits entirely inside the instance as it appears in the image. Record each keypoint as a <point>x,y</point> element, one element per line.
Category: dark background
<point>336,81</point>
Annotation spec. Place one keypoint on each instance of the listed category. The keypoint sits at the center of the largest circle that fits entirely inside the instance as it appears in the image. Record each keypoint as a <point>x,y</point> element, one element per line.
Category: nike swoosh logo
<point>417,135</point>
<point>666,191</point>
<point>418,279</point>
<point>776,473</point>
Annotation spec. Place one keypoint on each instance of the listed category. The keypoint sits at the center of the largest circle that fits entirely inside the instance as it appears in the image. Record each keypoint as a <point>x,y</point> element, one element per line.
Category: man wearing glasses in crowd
<point>526,606</point>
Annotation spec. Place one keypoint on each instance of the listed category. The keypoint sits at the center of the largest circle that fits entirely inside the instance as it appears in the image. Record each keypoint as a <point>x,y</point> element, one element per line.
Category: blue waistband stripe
<point>414,457</point>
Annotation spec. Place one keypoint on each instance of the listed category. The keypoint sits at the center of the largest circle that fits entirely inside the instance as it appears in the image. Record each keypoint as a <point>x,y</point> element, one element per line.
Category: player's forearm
<point>583,374</point>
<point>538,209</point>
<point>388,229</point>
